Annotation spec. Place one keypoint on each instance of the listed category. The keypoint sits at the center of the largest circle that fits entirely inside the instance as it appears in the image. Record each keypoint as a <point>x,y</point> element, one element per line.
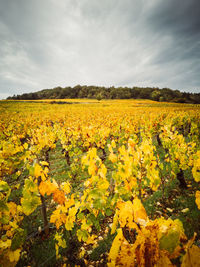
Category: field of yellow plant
<point>110,182</point>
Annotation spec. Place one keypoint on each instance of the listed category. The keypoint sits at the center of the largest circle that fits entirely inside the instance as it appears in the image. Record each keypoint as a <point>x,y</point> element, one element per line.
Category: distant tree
<point>99,96</point>
<point>155,95</point>
<point>145,93</point>
<point>97,92</point>
<point>161,99</point>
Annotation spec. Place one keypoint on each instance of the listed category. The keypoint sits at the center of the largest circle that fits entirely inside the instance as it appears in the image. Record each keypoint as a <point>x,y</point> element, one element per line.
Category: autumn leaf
<point>59,196</point>
<point>163,261</point>
<point>66,187</point>
<point>30,204</point>
<point>46,187</point>
<point>14,255</point>
<point>192,257</point>
<point>197,199</point>
<point>115,223</point>
<point>30,186</point>
<point>70,219</point>
<point>25,146</point>
<point>58,218</point>
<point>37,170</point>
<point>82,235</point>
<point>44,163</point>
<point>139,211</point>
<point>115,247</point>
<point>102,171</point>
<point>61,242</point>
<point>112,157</point>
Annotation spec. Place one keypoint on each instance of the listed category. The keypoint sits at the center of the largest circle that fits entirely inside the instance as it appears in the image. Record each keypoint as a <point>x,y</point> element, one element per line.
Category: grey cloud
<point>110,42</point>
<point>179,17</point>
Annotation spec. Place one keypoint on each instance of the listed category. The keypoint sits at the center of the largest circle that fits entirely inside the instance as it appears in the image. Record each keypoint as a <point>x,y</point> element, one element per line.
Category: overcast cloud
<point>49,43</point>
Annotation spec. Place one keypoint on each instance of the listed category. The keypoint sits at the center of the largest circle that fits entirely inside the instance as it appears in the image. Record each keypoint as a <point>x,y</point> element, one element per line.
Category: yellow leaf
<point>5,244</point>
<point>91,239</point>
<point>196,173</point>
<point>185,210</point>
<point>102,171</point>
<point>14,255</point>
<point>71,218</point>
<point>116,246</point>
<point>57,218</point>
<point>163,261</point>
<point>125,212</point>
<point>103,184</point>
<point>37,170</point>
<point>44,163</point>
<point>113,144</point>
<point>112,157</point>
<point>170,210</point>
<point>25,146</point>
<point>197,199</point>
<point>140,215</point>
<point>114,224</point>
<point>59,196</point>
<point>192,257</point>
<point>18,173</point>
<point>61,242</point>
<point>46,187</point>
<point>66,187</point>
<point>92,168</point>
<point>69,202</point>
<point>81,254</point>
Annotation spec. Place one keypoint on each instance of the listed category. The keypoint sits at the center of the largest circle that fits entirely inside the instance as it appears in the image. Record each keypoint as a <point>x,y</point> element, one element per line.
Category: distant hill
<point>100,92</point>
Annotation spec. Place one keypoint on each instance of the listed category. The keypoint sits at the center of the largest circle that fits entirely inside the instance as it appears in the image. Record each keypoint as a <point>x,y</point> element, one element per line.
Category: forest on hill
<point>100,92</point>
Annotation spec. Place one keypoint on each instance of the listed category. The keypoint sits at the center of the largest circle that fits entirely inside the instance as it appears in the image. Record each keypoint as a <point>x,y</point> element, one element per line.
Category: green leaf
<point>109,212</point>
<point>170,241</point>
<point>30,204</point>
<point>3,206</point>
<point>31,170</point>
<point>30,185</point>
<point>82,235</point>
<point>93,220</point>
<point>18,239</point>
<point>95,194</point>
<point>4,219</point>
<point>97,204</point>
<point>4,186</point>
<point>80,215</point>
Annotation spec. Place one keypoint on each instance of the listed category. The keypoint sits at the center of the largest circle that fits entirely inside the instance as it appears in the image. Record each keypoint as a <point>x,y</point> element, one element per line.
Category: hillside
<point>99,92</point>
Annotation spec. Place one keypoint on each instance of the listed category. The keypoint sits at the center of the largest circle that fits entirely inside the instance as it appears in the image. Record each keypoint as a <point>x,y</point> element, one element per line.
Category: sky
<point>50,43</point>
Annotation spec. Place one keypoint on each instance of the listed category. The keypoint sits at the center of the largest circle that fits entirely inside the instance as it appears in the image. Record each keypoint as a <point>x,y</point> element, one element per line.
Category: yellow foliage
<point>115,223</point>
<point>139,212</point>
<point>58,218</point>
<point>66,187</point>
<point>102,171</point>
<point>70,219</point>
<point>125,213</point>
<point>46,187</point>
<point>59,196</point>
<point>126,130</point>
<point>14,255</point>
<point>198,199</point>
<point>37,170</point>
<point>113,157</point>
<point>192,257</point>
<point>115,248</point>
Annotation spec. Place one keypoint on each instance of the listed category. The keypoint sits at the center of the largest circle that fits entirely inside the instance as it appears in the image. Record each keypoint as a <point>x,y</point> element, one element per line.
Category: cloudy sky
<point>49,43</point>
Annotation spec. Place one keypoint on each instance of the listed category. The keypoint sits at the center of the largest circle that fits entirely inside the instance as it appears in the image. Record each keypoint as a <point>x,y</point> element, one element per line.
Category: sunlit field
<point>99,183</point>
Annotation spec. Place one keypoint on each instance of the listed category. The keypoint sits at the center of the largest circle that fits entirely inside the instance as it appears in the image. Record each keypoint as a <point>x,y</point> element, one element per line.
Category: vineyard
<point>99,183</point>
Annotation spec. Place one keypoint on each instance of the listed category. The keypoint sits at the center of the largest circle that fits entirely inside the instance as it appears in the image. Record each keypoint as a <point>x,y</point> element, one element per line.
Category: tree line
<point>101,92</point>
